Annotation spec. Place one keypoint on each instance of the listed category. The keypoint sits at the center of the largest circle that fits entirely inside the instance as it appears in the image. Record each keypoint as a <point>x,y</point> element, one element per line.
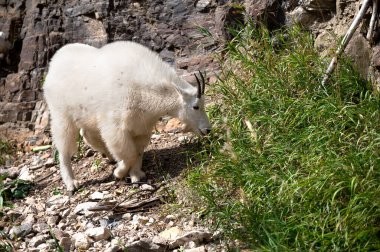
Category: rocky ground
<point>106,214</point>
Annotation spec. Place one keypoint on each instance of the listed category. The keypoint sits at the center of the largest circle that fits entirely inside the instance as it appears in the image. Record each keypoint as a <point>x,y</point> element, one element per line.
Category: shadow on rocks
<point>158,164</point>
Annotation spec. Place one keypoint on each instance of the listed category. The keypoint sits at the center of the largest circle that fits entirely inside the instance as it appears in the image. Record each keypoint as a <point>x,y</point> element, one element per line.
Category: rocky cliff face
<point>185,33</point>
<point>37,28</point>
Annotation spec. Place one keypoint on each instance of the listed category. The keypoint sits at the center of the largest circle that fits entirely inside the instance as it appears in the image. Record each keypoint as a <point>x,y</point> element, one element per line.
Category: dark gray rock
<point>37,240</point>
<point>145,245</point>
<point>20,231</point>
<point>195,236</point>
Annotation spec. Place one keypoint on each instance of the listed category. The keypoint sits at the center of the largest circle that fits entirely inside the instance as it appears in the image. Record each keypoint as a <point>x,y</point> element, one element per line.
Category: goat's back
<point>100,78</point>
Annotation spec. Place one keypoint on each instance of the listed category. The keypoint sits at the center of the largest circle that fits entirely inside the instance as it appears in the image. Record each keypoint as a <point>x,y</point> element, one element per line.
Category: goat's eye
<point>196,107</point>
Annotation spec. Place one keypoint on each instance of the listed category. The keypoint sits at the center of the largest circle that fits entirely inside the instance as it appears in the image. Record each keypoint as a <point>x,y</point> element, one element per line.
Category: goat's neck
<point>179,94</point>
<point>171,101</point>
<point>166,101</point>
<point>171,104</point>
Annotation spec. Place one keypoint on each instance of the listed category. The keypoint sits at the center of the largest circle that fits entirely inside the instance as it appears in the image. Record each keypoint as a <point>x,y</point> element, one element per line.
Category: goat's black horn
<point>199,87</point>
<point>203,82</point>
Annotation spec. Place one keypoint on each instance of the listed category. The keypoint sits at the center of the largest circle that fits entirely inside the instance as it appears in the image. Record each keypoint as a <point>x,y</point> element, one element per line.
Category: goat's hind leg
<point>64,134</point>
<point>93,139</point>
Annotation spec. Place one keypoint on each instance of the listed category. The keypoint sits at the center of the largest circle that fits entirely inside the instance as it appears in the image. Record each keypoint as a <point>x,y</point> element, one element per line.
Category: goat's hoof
<point>71,191</point>
<point>76,184</point>
<point>73,187</point>
<point>119,173</point>
<point>137,176</point>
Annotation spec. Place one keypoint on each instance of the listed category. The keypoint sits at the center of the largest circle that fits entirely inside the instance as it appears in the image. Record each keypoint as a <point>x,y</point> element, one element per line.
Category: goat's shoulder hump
<point>122,44</point>
<point>74,48</point>
<point>128,47</point>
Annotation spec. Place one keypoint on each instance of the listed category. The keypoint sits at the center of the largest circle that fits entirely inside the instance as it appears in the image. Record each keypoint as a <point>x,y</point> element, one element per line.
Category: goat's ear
<point>184,89</point>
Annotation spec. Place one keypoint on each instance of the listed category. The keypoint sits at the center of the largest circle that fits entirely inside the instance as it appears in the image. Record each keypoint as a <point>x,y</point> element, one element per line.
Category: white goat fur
<point>114,95</point>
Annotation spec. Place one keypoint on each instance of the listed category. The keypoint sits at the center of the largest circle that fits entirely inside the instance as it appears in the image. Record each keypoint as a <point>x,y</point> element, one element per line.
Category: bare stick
<point>43,178</point>
<point>108,206</point>
<point>36,167</point>
<point>372,26</point>
<point>346,39</point>
<point>116,206</point>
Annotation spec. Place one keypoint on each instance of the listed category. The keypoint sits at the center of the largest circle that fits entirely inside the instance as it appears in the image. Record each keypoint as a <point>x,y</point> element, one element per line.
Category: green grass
<point>5,244</point>
<point>291,165</point>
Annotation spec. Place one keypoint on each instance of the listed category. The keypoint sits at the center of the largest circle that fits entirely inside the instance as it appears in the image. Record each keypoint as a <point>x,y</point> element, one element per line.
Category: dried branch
<point>142,204</point>
<point>346,39</point>
<point>130,207</point>
<point>372,23</point>
<point>43,178</point>
<point>36,167</point>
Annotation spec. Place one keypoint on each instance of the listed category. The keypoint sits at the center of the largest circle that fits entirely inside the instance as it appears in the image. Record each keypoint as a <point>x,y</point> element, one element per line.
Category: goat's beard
<point>186,128</point>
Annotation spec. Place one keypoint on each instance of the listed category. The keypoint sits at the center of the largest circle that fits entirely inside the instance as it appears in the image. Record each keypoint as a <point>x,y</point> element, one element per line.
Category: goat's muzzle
<point>205,131</point>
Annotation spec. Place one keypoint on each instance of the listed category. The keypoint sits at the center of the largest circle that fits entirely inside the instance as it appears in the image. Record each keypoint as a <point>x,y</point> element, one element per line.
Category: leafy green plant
<point>96,165</point>
<point>57,191</point>
<point>56,155</point>
<point>42,82</point>
<point>13,189</point>
<point>81,147</point>
<point>291,165</point>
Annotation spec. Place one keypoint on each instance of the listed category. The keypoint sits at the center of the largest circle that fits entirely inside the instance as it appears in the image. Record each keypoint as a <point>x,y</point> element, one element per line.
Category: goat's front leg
<point>136,173</point>
<point>121,146</point>
<point>126,154</point>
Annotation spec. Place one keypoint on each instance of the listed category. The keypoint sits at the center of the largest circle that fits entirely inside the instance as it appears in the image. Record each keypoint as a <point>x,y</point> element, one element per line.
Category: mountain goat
<point>5,47</point>
<point>114,96</point>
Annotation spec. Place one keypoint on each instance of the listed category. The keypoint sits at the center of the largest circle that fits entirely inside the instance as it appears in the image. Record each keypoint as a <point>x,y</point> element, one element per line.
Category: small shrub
<point>13,189</point>
<point>5,244</point>
<point>97,165</point>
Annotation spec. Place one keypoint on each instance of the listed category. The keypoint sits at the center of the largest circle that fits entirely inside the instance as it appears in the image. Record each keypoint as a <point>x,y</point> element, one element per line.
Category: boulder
<point>20,231</point>
<point>359,50</point>
<point>145,245</point>
<point>37,240</point>
<point>81,241</point>
<point>98,233</point>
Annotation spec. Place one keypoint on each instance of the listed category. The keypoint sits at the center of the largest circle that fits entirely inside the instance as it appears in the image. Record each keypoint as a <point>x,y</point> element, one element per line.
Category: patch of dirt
<point>128,216</point>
